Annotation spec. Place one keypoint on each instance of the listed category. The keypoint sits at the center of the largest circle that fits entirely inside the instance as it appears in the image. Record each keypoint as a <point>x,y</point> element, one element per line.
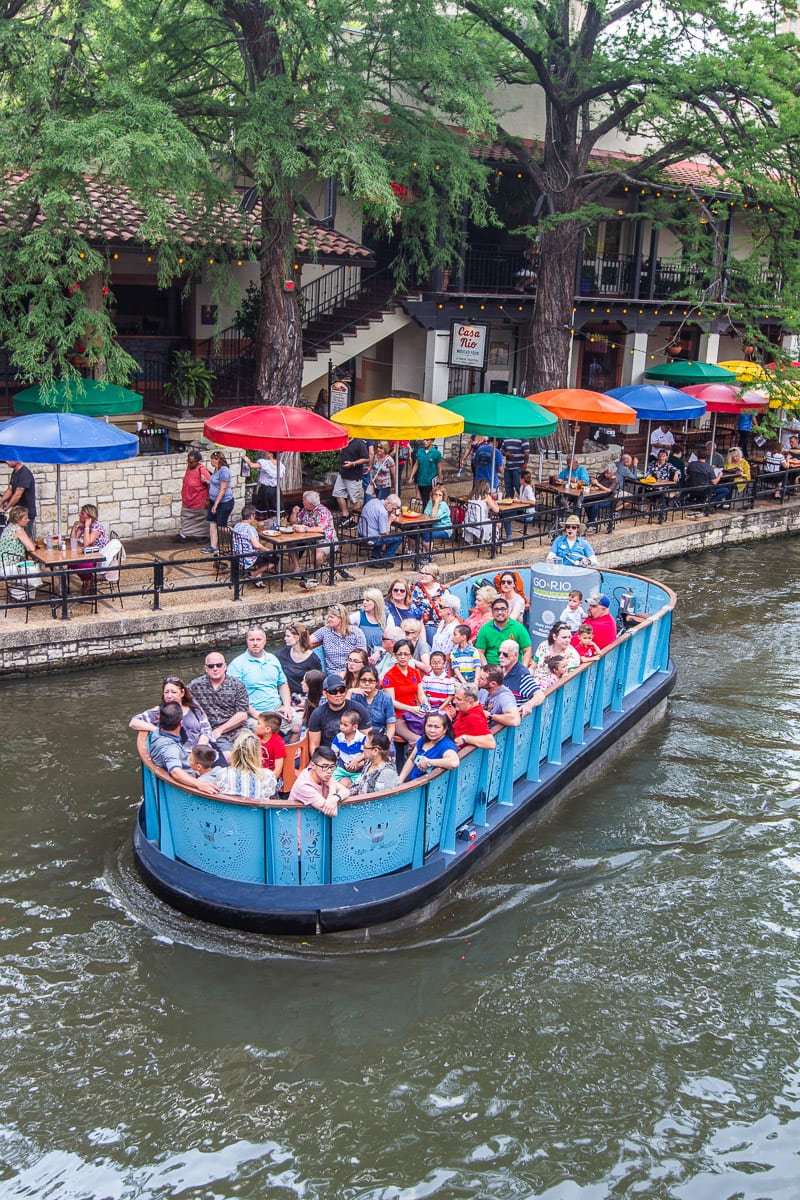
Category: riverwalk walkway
<point>189,620</point>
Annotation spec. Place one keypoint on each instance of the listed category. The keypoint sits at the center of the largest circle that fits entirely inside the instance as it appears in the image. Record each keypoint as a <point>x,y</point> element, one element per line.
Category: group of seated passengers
<point>435,702</point>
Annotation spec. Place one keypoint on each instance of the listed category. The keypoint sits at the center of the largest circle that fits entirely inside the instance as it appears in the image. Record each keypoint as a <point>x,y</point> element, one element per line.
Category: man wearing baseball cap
<point>604,627</point>
<point>570,549</point>
<point>323,724</point>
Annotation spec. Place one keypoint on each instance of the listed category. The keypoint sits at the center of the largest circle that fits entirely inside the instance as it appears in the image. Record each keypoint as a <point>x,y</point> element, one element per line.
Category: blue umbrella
<point>658,402</point>
<point>58,437</point>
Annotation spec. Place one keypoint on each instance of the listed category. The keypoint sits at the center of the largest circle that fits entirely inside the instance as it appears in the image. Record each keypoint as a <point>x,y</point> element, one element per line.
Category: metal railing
<point>156,578</point>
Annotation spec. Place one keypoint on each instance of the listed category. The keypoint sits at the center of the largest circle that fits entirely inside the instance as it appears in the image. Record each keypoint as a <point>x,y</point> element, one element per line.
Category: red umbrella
<point>722,398</point>
<point>275,427</point>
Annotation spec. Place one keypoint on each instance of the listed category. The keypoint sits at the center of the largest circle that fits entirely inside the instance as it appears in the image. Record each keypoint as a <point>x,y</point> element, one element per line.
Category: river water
<point>610,1011</point>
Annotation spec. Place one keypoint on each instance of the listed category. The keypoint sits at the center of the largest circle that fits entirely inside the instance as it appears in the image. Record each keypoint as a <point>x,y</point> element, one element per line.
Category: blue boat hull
<point>410,894</point>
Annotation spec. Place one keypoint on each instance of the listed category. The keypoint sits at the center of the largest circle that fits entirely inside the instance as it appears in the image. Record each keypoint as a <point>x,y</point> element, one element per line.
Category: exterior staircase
<point>345,313</point>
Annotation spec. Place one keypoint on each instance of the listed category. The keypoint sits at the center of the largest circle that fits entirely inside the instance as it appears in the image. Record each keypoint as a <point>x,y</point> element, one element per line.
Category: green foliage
<point>248,313</point>
<point>319,463</point>
<point>190,382</point>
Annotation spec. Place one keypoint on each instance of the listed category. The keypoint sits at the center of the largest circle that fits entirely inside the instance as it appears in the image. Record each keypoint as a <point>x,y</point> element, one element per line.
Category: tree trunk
<point>549,338</point>
<point>549,333</point>
<point>279,336</point>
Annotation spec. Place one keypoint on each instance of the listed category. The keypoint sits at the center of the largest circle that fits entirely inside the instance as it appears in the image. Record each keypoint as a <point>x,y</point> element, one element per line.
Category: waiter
<point>21,490</point>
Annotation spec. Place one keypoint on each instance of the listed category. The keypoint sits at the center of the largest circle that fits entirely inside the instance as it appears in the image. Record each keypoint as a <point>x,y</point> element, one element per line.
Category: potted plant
<point>190,381</point>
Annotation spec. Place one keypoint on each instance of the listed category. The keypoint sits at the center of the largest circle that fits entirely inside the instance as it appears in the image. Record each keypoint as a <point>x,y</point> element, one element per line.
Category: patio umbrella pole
<point>58,500</point>
<point>278,488</point>
<point>572,452</point>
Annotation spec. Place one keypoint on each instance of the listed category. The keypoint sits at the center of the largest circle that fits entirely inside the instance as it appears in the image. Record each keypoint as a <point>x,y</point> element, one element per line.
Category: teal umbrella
<point>497,415</point>
<point>86,397</point>
<point>680,373</point>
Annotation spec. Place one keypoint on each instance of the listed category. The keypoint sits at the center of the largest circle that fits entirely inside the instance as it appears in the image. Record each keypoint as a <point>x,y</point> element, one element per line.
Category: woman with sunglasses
<point>356,661</point>
<point>195,724</point>
<point>399,604</point>
<point>438,508</point>
<point>509,586</point>
<point>296,657</point>
<point>403,685</point>
<point>377,703</point>
<point>435,749</point>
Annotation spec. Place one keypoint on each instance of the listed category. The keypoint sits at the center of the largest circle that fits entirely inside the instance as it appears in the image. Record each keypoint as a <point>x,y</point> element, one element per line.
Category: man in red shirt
<point>470,727</point>
<point>194,498</point>
<point>604,627</point>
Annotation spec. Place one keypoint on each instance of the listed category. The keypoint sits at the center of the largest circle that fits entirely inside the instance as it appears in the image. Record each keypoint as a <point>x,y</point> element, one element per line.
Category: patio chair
<point>108,571</point>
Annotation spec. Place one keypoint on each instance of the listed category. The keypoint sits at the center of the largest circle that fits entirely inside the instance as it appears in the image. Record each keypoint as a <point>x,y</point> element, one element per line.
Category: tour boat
<point>392,858</point>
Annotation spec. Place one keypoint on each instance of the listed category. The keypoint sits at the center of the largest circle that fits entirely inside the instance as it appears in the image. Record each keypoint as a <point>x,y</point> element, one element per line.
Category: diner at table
<point>88,533</point>
<point>439,510</point>
<point>16,548</point>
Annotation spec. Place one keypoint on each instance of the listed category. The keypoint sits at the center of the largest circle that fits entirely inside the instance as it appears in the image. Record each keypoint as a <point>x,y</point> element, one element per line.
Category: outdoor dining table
<point>57,560</point>
<point>413,526</point>
<point>285,543</point>
<point>577,496</point>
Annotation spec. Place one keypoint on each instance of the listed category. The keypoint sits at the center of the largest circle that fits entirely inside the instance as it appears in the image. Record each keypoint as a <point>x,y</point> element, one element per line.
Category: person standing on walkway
<point>348,486</point>
<point>515,453</point>
<point>425,471</point>
<point>21,491</point>
<point>194,497</point>
<point>220,500</point>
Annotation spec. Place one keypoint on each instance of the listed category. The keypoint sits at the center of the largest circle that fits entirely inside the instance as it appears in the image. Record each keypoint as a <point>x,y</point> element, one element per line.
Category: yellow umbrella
<point>399,417</point>
<point>785,395</point>
<point>745,372</point>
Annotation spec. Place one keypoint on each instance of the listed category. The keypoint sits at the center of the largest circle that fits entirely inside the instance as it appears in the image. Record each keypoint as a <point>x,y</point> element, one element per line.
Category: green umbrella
<point>498,414</point>
<point>680,373</point>
<point>86,397</point>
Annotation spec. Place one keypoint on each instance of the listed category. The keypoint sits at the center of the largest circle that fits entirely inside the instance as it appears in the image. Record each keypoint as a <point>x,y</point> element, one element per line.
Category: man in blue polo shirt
<point>262,675</point>
<point>168,750</point>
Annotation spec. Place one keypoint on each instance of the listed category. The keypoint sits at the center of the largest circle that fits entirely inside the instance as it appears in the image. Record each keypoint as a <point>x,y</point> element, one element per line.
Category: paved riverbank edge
<point>76,643</point>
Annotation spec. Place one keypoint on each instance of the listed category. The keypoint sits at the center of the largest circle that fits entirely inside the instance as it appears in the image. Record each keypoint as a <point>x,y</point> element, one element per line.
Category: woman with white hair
<point>450,607</point>
<point>314,517</point>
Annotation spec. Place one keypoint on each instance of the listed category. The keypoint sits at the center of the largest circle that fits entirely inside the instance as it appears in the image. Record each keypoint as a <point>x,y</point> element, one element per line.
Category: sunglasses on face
<point>335,691</point>
<point>214,666</point>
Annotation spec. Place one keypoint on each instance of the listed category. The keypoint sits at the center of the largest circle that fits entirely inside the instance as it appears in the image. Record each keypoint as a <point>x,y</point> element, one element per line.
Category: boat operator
<point>570,549</point>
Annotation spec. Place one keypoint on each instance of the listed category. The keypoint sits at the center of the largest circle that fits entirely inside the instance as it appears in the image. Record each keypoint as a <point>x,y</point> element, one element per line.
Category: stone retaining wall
<point>75,643</point>
<point>135,497</point>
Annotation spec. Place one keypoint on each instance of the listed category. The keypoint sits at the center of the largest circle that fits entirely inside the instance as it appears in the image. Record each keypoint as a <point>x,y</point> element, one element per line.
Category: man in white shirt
<point>662,439</point>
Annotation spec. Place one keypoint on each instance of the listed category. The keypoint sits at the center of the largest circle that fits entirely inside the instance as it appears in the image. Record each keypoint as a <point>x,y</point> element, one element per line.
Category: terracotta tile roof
<point>686,173</point>
<point>109,213</point>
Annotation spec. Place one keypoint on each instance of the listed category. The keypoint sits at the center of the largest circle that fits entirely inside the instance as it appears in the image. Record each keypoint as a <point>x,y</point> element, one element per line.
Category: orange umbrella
<point>580,404</point>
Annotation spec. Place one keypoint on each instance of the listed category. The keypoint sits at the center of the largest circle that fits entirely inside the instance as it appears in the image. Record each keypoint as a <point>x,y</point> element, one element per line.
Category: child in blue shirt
<point>465,661</point>
<point>348,746</point>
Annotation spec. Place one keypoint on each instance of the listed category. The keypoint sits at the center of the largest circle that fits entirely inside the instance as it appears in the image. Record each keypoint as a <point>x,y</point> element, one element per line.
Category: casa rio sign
<point>469,341</point>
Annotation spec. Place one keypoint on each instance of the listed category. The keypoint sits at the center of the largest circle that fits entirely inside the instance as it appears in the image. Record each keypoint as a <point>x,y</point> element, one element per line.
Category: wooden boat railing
<point>283,845</point>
